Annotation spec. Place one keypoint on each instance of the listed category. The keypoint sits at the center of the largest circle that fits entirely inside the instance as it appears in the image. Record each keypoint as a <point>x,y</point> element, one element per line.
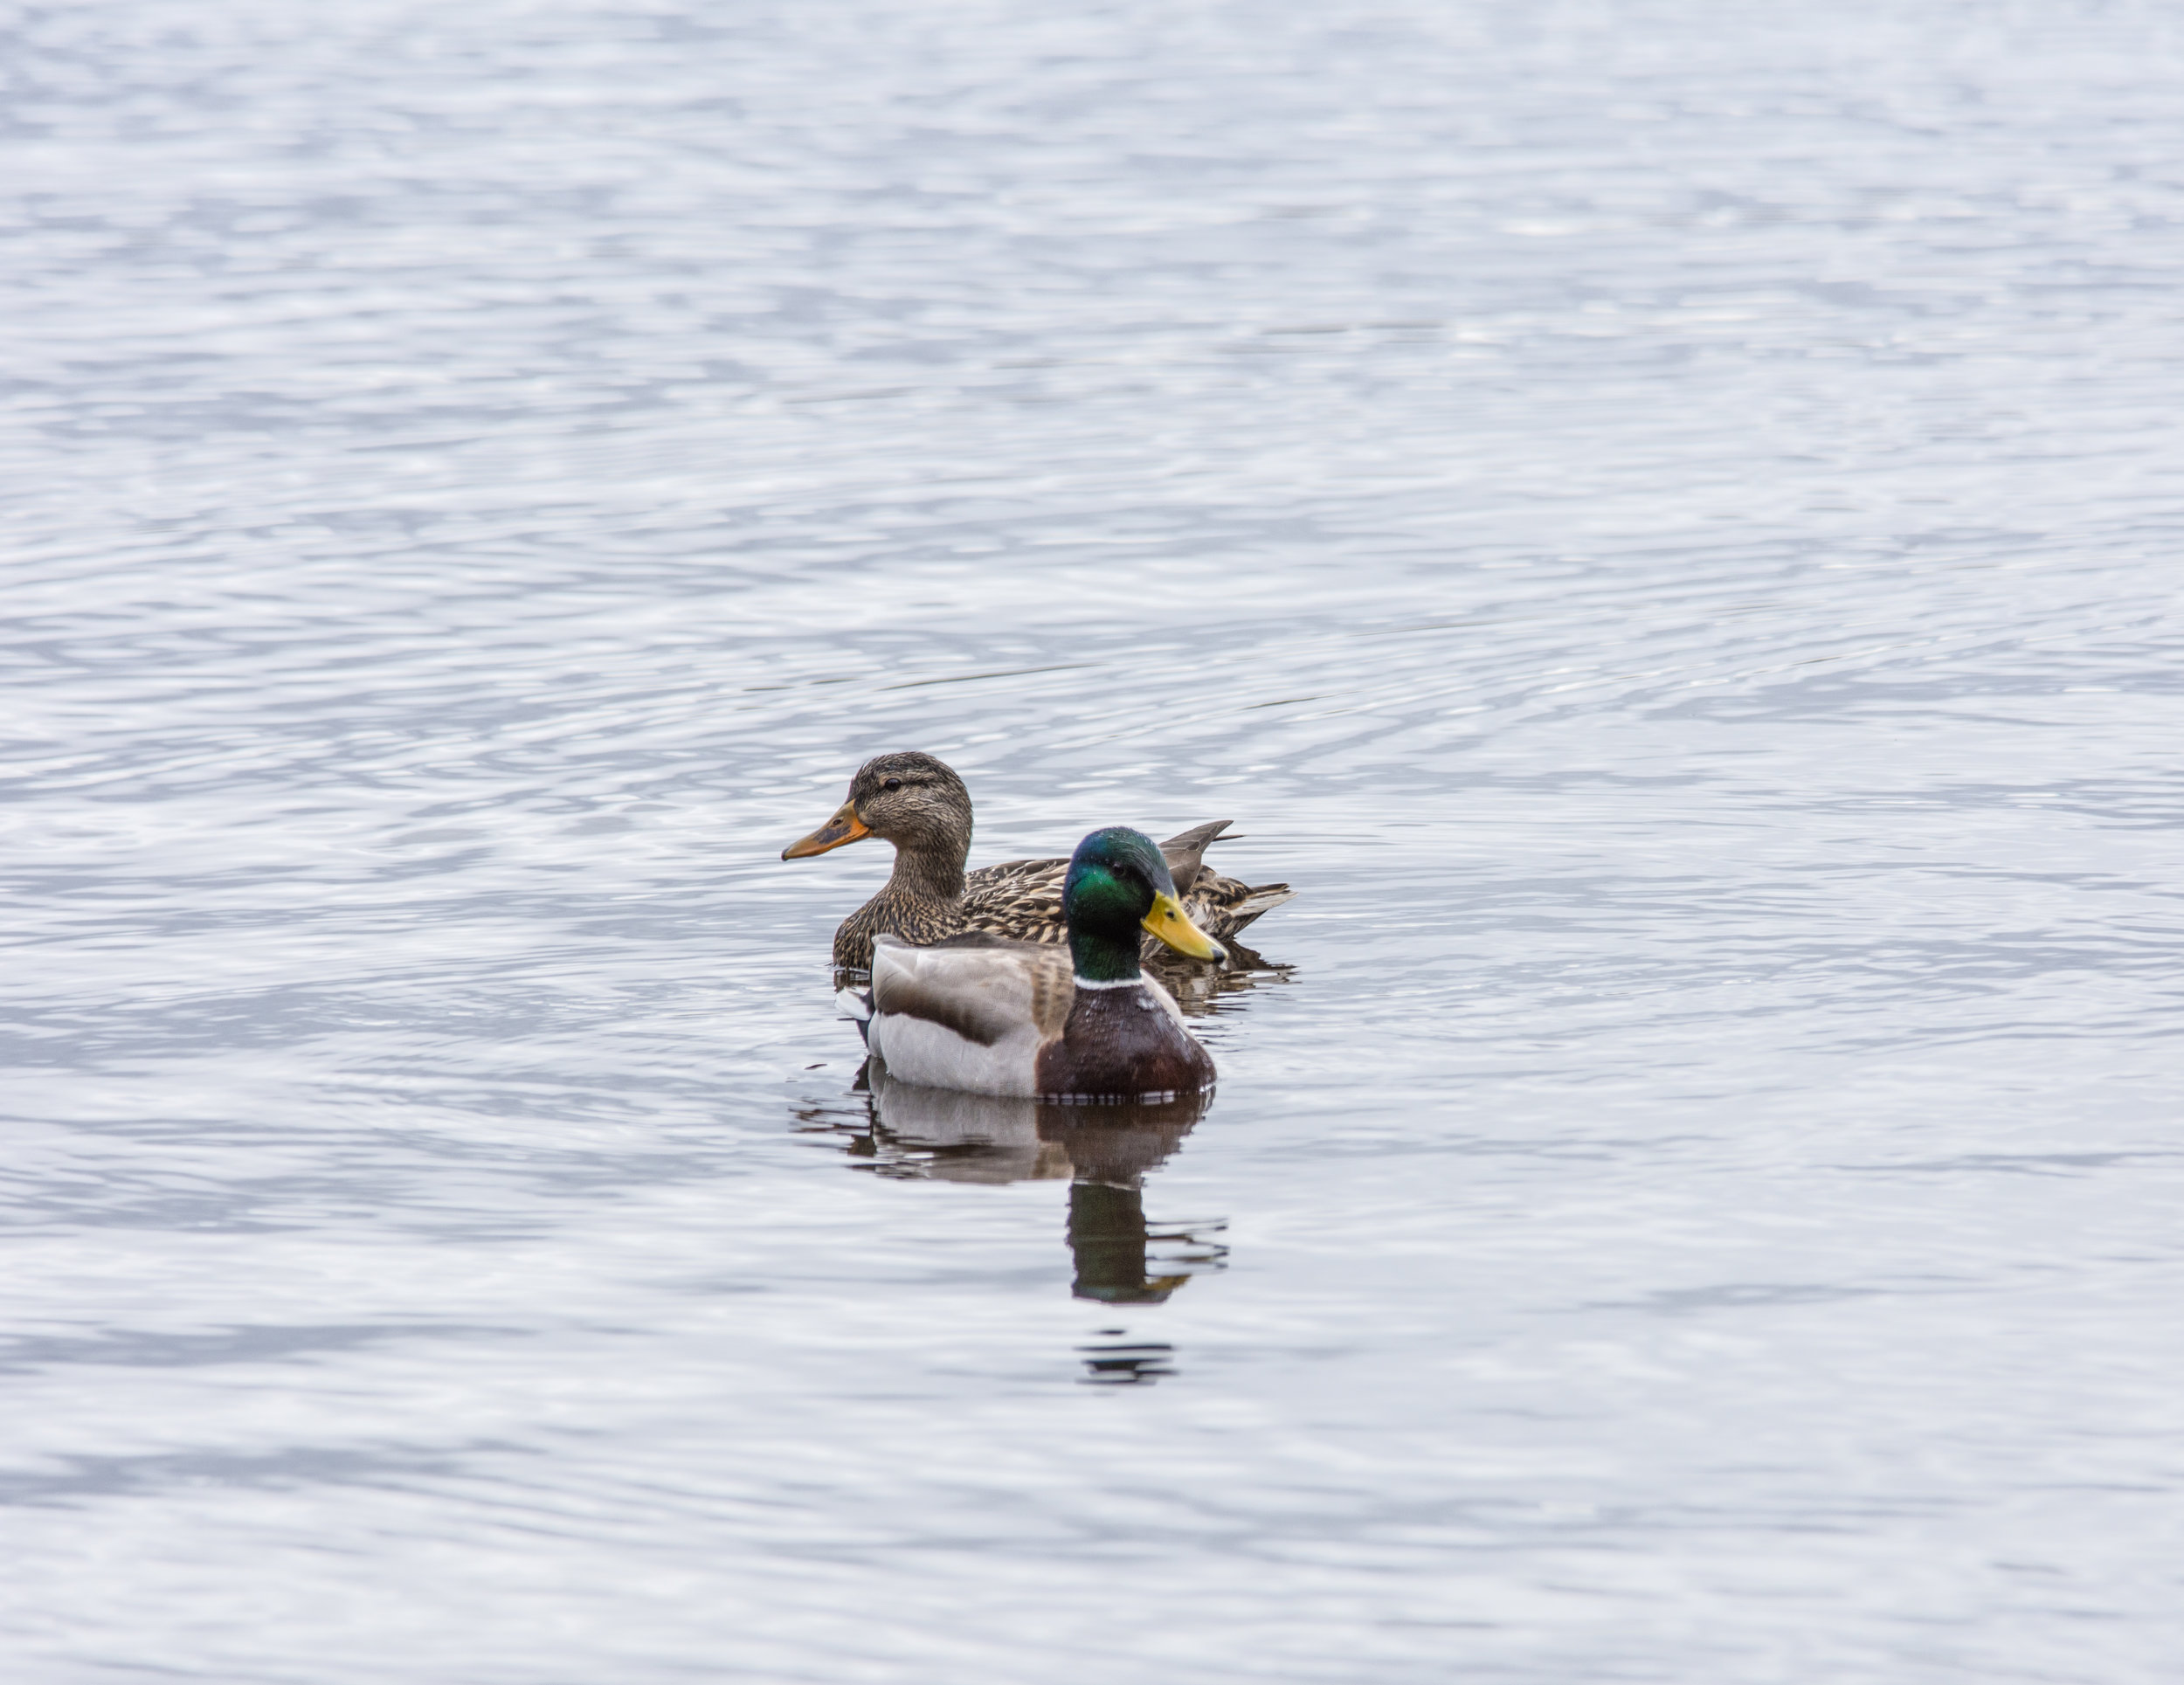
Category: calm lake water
<point>1661,520</point>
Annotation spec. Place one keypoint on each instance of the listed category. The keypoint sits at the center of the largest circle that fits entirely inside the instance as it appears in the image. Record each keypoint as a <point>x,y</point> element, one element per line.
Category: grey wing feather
<point>980,990</point>
<point>1185,851</point>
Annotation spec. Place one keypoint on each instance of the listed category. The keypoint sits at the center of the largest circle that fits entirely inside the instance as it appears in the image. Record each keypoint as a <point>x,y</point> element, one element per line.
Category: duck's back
<point>1021,900</point>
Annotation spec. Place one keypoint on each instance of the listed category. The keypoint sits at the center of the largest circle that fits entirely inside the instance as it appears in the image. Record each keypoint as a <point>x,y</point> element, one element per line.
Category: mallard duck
<point>919,805</point>
<point>995,1017</point>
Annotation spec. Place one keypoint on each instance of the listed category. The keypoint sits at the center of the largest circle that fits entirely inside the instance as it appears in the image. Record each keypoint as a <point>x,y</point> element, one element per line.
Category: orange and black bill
<point>844,827</point>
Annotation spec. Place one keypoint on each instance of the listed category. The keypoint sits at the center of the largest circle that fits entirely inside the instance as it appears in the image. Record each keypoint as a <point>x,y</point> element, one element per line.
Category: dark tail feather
<point>1185,851</point>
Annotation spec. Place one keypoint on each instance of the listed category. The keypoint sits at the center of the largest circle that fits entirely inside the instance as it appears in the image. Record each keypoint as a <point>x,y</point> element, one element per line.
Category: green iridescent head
<point>1118,886</point>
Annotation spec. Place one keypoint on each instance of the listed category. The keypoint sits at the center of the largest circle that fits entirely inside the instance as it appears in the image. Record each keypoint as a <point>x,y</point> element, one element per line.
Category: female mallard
<point>1006,1018</point>
<point>920,806</point>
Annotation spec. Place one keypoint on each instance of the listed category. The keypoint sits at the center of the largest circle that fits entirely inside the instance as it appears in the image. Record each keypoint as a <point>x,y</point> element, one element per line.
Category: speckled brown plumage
<point>919,805</point>
<point>1023,899</point>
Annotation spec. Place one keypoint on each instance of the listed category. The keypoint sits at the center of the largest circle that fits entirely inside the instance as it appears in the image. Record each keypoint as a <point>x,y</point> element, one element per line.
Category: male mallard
<point>1008,1018</point>
<point>920,806</point>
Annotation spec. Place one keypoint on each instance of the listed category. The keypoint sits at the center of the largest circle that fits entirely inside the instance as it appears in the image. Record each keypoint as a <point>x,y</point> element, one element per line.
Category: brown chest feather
<point>913,918</point>
<point>1121,1045</point>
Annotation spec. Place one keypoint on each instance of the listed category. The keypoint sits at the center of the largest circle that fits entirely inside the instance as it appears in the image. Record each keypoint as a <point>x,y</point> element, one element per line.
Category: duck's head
<point>1118,886</point>
<point>915,802</point>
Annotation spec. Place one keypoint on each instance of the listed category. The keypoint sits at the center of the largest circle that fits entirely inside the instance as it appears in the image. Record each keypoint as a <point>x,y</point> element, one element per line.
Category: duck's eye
<point>892,784</point>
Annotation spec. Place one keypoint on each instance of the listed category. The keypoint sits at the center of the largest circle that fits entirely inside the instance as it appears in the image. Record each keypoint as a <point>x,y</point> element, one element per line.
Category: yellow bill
<point>1173,925</point>
<point>844,827</point>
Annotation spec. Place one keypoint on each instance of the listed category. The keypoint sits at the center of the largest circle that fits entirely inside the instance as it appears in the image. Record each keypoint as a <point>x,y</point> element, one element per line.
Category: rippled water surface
<point>1661,520</point>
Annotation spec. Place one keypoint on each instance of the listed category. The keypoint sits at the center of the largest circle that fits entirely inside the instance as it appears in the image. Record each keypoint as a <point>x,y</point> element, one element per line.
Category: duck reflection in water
<point>1104,1150</point>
